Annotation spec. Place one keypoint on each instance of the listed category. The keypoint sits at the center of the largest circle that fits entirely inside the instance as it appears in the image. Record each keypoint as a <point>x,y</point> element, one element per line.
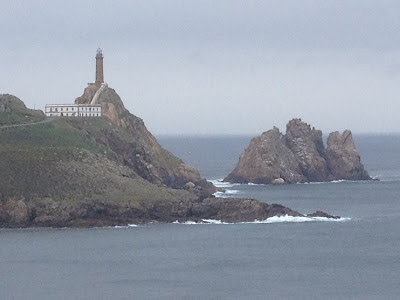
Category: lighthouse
<point>99,67</point>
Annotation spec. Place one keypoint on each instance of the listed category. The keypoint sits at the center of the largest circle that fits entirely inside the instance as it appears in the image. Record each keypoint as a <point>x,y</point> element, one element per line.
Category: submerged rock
<point>298,156</point>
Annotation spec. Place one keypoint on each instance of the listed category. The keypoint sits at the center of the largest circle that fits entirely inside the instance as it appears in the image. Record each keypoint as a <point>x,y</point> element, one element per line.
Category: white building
<point>73,110</point>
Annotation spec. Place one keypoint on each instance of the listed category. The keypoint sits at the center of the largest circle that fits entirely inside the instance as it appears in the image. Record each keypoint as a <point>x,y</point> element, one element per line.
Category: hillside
<point>104,171</point>
<point>66,172</point>
<point>13,111</point>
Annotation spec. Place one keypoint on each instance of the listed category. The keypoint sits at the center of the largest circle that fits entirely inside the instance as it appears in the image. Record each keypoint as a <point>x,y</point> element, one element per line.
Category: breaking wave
<point>126,226</point>
<point>276,219</point>
<point>221,184</point>
<point>226,193</point>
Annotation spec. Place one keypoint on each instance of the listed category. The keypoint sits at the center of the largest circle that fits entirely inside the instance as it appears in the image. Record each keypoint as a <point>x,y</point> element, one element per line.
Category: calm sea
<point>357,258</point>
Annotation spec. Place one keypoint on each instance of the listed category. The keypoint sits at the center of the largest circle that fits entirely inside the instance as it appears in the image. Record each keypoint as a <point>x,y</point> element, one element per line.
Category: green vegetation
<point>9,118</point>
<point>57,133</point>
<point>14,111</point>
<point>171,160</point>
<point>71,175</point>
<point>62,160</point>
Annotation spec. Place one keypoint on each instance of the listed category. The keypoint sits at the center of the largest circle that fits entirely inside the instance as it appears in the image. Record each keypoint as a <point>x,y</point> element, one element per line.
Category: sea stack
<point>298,156</point>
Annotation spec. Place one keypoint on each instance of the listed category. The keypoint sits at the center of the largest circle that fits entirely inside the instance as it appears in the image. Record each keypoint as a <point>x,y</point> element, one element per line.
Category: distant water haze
<point>213,67</point>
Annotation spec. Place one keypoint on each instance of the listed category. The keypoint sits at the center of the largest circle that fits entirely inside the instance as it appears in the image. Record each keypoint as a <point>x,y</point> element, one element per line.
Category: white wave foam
<point>232,192</point>
<point>332,181</point>
<point>275,219</point>
<point>126,226</point>
<point>221,184</point>
<point>215,222</point>
<point>186,223</point>
<point>203,221</point>
<point>291,219</point>
<point>226,193</point>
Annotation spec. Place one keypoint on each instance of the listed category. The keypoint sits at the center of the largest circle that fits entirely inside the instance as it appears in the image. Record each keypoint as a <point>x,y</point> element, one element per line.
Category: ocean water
<point>357,257</point>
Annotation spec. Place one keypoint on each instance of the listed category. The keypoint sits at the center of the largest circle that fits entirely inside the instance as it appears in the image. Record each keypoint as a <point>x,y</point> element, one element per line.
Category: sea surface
<point>357,257</point>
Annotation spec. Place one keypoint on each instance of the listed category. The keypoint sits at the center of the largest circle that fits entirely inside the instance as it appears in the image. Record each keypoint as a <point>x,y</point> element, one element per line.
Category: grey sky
<point>212,67</point>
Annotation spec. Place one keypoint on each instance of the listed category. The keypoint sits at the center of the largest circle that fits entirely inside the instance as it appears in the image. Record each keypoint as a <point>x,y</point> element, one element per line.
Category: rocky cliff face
<point>267,159</point>
<point>308,148</point>
<point>343,159</point>
<point>138,147</point>
<point>298,156</point>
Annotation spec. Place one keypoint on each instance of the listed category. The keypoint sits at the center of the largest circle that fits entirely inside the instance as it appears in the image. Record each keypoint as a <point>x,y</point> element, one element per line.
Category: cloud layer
<point>213,67</point>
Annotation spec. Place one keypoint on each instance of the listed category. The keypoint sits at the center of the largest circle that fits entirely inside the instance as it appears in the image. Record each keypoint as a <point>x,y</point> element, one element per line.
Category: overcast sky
<point>213,67</point>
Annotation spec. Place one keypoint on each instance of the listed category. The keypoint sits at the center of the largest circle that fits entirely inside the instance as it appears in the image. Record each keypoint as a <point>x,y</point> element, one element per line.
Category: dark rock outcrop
<point>322,214</point>
<point>298,156</point>
<point>46,212</point>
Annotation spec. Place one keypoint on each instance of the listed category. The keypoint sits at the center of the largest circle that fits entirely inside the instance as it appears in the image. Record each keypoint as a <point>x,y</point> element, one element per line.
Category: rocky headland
<point>104,171</point>
<point>298,156</point>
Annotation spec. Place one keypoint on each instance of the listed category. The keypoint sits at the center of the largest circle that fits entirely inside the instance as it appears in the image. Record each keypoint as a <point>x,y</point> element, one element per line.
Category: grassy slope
<point>99,126</point>
<point>56,160</point>
<point>17,113</point>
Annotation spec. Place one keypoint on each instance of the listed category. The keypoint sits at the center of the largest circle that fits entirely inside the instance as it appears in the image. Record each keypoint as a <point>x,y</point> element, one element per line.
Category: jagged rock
<point>342,157</point>
<point>266,159</point>
<point>298,156</point>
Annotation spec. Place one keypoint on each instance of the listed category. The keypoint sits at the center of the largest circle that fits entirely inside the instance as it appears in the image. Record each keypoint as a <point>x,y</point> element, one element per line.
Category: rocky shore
<point>45,212</point>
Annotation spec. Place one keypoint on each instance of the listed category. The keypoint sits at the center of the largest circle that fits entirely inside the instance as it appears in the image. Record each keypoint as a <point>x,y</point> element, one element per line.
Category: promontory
<point>101,171</point>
